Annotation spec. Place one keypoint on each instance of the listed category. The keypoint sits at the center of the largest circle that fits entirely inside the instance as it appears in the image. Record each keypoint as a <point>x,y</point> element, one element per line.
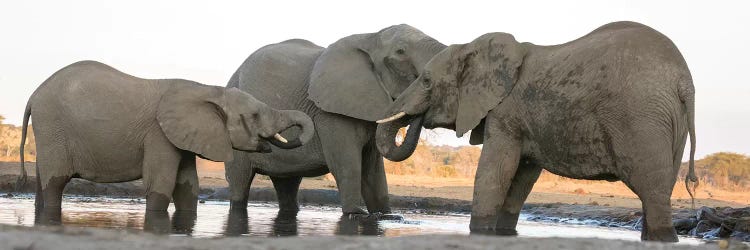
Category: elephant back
<point>277,74</point>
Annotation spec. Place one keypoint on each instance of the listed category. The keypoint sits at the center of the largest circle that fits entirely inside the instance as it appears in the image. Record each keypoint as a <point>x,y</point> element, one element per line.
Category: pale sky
<point>206,41</point>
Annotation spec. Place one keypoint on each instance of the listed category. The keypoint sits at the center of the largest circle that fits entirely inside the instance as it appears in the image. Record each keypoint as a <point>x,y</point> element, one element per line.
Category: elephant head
<point>360,75</point>
<point>211,121</point>
<point>456,90</point>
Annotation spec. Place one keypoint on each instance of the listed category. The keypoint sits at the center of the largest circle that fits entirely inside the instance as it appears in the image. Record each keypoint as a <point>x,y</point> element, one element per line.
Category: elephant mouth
<point>281,142</point>
<point>277,139</point>
<point>262,147</point>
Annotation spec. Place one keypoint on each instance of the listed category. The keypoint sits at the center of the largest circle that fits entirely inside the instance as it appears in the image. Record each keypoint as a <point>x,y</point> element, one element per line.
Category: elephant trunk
<point>298,119</point>
<point>412,105</point>
<point>386,134</point>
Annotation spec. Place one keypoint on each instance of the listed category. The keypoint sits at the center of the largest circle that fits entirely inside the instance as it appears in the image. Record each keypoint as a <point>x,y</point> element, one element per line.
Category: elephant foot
<point>495,231</point>
<point>355,211</point>
<point>667,234</point>
<point>482,232</point>
<point>506,232</point>
<point>48,217</point>
<point>357,217</point>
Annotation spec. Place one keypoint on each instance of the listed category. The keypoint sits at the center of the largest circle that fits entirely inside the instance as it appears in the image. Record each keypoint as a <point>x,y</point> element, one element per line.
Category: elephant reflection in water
<point>158,222</point>
<point>237,223</point>
<point>353,225</point>
<point>286,224</point>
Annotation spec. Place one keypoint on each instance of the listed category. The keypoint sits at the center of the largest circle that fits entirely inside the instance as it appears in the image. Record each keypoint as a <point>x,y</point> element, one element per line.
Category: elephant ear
<point>195,121</point>
<point>343,80</point>
<point>487,72</point>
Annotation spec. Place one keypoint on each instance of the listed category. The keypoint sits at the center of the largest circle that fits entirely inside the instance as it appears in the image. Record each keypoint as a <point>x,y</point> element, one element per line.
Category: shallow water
<point>262,219</point>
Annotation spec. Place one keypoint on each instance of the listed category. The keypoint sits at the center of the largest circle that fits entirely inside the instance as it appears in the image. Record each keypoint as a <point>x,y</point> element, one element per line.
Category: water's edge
<point>593,215</point>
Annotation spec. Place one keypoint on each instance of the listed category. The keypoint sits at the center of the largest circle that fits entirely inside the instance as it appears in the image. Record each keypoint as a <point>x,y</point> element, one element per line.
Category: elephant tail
<point>21,182</point>
<point>687,96</point>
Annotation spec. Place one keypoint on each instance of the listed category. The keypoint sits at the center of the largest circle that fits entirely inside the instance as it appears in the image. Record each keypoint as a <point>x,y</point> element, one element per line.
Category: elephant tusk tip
<point>392,118</point>
<point>280,138</point>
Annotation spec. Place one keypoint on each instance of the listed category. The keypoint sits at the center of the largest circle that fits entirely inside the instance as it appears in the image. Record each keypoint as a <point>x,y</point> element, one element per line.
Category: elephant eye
<point>400,51</point>
<point>426,82</point>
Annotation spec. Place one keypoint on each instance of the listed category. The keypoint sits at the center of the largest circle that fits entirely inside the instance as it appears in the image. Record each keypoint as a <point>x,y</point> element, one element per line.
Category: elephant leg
<point>54,170</point>
<point>652,178</point>
<point>497,166</point>
<point>185,194</point>
<point>374,183</point>
<point>161,162</point>
<point>346,169</point>
<point>51,212</point>
<point>657,208</point>
<point>286,192</point>
<point>520,188</point>
<point>240,176</point>
<point>342,141</point>
<point>657,217</point>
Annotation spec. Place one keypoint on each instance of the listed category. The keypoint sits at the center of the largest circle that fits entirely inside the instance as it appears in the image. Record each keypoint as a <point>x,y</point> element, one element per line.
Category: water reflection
<point>236,223</point>
<point>285,224</point>
<point>47,217</point>
<point>263,220</point>
<point>358,225</point>
<point>183,222</point>
<point>158,222</point>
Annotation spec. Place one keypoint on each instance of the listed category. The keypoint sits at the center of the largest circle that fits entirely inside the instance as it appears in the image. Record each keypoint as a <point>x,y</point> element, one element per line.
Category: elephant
<point>94,122</point>
<point>344,88</point>
<point>616,104</point>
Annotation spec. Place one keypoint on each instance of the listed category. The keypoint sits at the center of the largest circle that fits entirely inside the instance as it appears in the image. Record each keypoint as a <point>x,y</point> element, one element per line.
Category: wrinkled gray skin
<point>344,88</point>
<point>96,123</point>
<point>616,104</point>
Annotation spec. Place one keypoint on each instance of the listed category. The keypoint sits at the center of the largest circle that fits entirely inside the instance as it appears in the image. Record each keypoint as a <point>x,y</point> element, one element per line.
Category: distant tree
<point>10,139</point>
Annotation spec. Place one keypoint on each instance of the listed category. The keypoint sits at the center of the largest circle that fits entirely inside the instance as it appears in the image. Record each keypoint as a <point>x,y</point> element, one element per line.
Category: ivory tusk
<point>392,118</point>
<point>280,138</point>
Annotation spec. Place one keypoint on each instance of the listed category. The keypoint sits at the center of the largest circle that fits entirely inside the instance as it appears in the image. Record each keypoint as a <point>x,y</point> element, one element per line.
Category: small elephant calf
<point>94,122</point>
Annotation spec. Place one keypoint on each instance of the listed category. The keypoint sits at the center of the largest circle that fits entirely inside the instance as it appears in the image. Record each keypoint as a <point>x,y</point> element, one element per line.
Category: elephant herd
<point>616,104</point>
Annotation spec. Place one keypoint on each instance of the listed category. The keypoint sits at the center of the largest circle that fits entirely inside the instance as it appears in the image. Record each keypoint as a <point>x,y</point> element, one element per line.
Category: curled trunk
<point>386,134</point>
<point>298,119</point>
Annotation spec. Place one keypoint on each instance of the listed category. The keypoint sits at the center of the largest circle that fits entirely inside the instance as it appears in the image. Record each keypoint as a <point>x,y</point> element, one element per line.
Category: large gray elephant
<point>344,88</point>
<point>96,123</point>
<point>615,104</point>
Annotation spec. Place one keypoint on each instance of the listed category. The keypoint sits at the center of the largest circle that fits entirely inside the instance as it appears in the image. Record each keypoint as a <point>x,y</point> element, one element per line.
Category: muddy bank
<point>704,222</point>
<point>14,237</point>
